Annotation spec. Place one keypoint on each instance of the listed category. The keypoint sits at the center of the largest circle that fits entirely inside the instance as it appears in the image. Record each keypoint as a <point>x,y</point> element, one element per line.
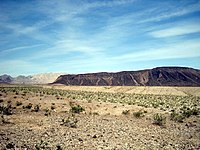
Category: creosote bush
<point>41,145</point>
<point>138,114</point>
<point>58,147</point>
<point>159,119</point>
<point>47,112</point>
<point>6,110</point>
<point>126,112</point>
<point>29,106</point>
<point>18,103</point>
<point>77,109</point>
<point>70,122</point>
<point>36,108</point>
<point>178,117</point>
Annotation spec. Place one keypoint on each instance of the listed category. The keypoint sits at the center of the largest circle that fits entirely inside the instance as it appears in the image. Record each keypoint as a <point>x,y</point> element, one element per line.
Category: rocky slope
<point>162,76</point>
<point>33,79</point>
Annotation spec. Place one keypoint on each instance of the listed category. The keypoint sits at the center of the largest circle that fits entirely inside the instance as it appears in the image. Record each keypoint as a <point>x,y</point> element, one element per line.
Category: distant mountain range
<point>44,78</point>
<point>161,76</point>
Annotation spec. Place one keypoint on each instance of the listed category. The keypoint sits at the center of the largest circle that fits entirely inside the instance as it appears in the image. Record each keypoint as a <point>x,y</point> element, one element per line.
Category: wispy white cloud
<point>184,49</point>
<point>180,29</point>
<point>11,50</point>
<point>161,13</point>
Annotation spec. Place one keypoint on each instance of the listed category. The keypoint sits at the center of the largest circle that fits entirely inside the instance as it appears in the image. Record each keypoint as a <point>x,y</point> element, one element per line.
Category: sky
<point>82,36</point>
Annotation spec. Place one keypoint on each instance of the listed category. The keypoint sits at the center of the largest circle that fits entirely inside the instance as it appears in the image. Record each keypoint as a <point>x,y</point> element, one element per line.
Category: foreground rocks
<point>96,132</point>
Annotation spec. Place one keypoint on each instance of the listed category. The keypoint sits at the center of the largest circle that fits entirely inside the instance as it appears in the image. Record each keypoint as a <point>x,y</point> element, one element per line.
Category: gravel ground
<point>100,126</point>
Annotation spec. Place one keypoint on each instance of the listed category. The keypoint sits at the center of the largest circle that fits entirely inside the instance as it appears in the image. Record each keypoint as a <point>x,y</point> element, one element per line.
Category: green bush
<point>125,112</point>
<point>76,109</point>
<point>138,114</point>
<point>159,119</point>
<point>178,117</point>
<point>6,110</point>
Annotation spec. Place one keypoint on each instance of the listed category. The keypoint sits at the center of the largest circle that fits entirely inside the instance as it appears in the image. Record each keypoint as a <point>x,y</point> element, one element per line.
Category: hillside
<point>5,79</point>
<point>161,76</point>
<point>43,78</point>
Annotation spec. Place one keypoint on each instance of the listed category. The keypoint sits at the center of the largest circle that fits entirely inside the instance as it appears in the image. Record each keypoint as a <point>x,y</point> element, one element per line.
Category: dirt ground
<point>50,123</point>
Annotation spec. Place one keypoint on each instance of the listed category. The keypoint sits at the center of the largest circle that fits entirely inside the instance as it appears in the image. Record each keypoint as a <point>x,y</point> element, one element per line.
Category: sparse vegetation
<point>178,117</point>
<point>104,115</point>
<point>47,112</point>
<point>77,109</point>
<point>138,114</point>
<point>126,112</point>
<point>42,145</point>
<point>6,110</point>
<point>18,103</point>
<point>59,147</point>
<point>29,106</point>
<point>36,108</point>
<point>159,119</point>
<point>70,122</point>
<point>162,102</point>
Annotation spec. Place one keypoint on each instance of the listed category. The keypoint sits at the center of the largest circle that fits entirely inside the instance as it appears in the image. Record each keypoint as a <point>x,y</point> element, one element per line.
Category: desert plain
<point>59,117</point>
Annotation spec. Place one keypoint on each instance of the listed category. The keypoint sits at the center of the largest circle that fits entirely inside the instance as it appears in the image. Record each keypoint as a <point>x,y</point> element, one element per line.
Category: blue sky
<point>80,36</point>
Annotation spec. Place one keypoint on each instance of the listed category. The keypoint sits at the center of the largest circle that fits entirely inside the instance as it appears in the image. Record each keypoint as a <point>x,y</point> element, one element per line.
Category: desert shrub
<point>47,112</point>
<point>36,108</point>
<point>18,103</point>
<point>41,145</point>
<point>125,112</point>
<point>77,109</point>
<point>138,114</point>
<point>89,101</point>
<point>95,113</point>
<point>6,110</point>
<point>2,119</point>
<point>70,122</point>
<point>159,119</point>
<point>29,106</point>
<point>189,112</point>
<point>53,107</point>
<point>178,117</point>
<point>58,147</point>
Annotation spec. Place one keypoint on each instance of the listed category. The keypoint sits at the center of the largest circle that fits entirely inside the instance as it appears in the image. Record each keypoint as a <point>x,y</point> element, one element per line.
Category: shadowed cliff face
<point>163,76</point>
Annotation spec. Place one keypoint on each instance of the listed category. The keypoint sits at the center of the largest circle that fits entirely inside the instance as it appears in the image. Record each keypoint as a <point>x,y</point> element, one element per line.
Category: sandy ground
<point>157,90</point>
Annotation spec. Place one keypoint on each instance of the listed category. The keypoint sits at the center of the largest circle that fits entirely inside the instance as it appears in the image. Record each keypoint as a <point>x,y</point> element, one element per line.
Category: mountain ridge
<point>159,76</point>
<point>42,78</point>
